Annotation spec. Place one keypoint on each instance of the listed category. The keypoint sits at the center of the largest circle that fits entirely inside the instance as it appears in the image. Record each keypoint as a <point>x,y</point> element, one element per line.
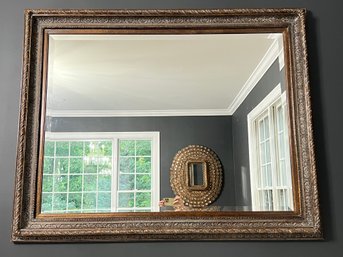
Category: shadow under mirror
<point>119,108</point>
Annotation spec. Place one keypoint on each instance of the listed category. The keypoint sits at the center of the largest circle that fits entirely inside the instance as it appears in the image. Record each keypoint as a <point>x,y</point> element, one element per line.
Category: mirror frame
<point>196,196</point>
<point>30,226</point>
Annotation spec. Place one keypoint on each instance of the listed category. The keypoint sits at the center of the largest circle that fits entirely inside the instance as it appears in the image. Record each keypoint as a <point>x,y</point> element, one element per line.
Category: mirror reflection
<point>120,107</point>
<point>197,174</point>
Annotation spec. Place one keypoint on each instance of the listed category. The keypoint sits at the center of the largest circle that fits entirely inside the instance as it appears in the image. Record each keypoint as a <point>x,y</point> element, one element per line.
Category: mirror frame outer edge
<point>302,224</point>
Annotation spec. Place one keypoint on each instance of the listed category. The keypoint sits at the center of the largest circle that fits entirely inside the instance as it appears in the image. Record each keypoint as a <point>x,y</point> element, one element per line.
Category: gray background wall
<point>175,134</point>
<point>325,41</point>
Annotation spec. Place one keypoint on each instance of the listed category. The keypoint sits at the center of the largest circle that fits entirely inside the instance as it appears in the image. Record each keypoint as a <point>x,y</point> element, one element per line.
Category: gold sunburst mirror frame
<point>182,176</point>
<point>303,223</point>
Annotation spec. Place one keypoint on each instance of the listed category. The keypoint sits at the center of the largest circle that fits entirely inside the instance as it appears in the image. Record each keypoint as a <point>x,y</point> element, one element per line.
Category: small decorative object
<point>196,176</point>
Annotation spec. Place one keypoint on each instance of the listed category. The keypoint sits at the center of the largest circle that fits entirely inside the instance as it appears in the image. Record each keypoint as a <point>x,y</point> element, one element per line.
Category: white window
<point>270,172</point>
<point>100,172</point>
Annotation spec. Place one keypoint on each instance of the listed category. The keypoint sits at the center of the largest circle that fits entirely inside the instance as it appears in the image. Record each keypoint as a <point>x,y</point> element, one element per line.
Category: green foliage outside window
<point>134,174</point>
<point>77,176</point>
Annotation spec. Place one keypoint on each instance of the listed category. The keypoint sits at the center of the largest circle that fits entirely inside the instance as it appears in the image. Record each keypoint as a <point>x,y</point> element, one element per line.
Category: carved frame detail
<point>200,195</point>
<point>303,223</point>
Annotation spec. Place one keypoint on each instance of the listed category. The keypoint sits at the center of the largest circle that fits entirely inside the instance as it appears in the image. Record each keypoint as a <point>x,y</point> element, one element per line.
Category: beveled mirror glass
<point>110,97</point>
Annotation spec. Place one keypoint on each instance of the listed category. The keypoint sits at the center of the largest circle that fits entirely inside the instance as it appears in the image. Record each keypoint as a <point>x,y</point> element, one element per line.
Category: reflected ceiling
<point>121,74</point>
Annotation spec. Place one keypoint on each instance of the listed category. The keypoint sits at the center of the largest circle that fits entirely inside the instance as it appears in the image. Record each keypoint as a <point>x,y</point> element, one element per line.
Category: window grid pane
<point>284,182</point>
<point>134,187</point>
<point>272,195</point>
<point>77,176</point>
<point>265,176</point>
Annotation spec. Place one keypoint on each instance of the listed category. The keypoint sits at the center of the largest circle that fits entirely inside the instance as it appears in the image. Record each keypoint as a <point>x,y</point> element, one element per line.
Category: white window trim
<point>152,135</point>
<point>269,100</point>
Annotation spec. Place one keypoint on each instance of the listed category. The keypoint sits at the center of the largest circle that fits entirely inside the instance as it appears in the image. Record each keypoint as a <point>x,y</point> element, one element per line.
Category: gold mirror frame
<point>302,223</point>
<point>196,196</point>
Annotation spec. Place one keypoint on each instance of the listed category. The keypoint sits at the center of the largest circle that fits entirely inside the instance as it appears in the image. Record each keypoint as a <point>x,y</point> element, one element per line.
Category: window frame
<point>274,99</point>
<point>154,136</point>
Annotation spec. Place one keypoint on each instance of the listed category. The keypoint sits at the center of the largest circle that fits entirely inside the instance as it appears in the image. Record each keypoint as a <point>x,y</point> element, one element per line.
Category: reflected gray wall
<point>267,83</point>
<point>175,134</point>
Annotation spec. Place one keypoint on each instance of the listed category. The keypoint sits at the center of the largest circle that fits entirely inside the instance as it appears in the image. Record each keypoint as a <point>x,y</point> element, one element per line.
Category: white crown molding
<point>268,59</point>
<point>137,113</point>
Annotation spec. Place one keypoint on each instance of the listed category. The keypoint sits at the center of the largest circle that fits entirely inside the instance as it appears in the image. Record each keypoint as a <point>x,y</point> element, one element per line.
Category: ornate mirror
<point>196,177</point>
<point>110,97</point>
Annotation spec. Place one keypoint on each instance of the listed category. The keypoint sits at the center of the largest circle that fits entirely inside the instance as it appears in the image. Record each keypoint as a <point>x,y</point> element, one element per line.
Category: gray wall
<point>175,134</point>
<point>325,41</point>
<point>267,83</point>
